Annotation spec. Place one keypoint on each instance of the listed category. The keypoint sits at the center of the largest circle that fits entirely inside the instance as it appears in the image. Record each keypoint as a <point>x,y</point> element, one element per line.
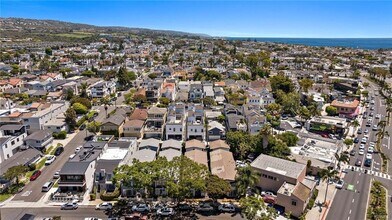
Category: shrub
<point>105,196</point>
<point>79,108</point>
<point>32,167</point>
<point>83,101</point>
<point>81,121</point>
<point>92,196</point>
<point>61,135</point>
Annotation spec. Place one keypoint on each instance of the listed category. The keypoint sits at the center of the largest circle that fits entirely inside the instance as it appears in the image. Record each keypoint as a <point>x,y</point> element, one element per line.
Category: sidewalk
<point>320,212</point>
<point>66,140</point>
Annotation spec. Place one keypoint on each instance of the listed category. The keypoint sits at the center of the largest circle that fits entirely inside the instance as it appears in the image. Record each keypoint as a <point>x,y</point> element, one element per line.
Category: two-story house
<point>155,122</point>
<point>196,91</point>
<point>195,126</point>
<point>175,123</point>
<point>39,140</point>
<point>101,89</point>
<point>11,139</point>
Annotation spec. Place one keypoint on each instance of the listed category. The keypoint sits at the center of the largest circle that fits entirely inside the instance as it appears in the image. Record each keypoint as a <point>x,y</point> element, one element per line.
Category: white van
<point>46,187</point>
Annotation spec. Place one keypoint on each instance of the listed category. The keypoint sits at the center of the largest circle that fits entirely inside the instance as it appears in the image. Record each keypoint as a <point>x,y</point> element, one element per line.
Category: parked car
<point>372,144</point>
<point>89,138</point>
<point>205,207</point>
<point>364,140</point>
<point>47,186</point>
<point>141,208</point>
<point>370,150</point>
<point>269,199</point>
<point>49,160</point>
<point>72,156</point>
<point>358,162</point>
<point>104,206</point>
<point>58,151</point>
<point>366,131</point>
<point>378,116</point>
<point>226,207</point>
<point>352,152</point>
<point>359,131</point>
<point>361,146</point>
<point>267,193</point>
<point>372,108</point>
<point>69,206</point>
<point>356,140</point>
<point>375,128</point>
<point>166,211</point>
<point>56,175</point>
<point>339,184</point>
<point>361,151</point>
<point>368,162</point>
<point>369,156</point>
<point>82,127</point>
<point>35,175</point>
<point>78,149</point>
<point>332,136</point>
<point>184,207</point>
<point>324,135</point>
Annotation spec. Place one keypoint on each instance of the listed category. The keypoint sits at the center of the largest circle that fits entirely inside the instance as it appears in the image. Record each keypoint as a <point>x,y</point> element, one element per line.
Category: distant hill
<point>22,28</point>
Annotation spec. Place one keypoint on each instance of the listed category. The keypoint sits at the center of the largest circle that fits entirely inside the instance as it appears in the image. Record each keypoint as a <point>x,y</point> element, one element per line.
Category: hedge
<point>61,135</point>
<point>110,196</point>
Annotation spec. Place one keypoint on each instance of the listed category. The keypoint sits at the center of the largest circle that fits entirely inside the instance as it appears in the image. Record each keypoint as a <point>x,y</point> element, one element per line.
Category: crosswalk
<point>369,172</point>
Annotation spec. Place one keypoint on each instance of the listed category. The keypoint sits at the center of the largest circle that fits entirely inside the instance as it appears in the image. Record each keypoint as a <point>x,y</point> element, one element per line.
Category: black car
<point>368,162</point>
<point>356,140</point>
<point>359,131</point>
<point>352,152</point>
<point>89,138</point>
<point>184,207</point>
<point>58,151</point>
<point>82,127</point>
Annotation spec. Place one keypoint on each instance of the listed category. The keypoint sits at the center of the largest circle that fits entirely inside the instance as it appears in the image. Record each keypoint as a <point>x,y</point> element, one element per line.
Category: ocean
<point>360,43</point>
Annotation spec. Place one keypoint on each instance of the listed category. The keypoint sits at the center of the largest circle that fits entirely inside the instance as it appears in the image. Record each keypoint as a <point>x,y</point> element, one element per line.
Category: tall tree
<point>70,117</point>
<point>341,158</point>
<point>246,179</point>
<point>15,172</point>
<point>328,174</point>
<point>217,187</point>
<point>306,84</point>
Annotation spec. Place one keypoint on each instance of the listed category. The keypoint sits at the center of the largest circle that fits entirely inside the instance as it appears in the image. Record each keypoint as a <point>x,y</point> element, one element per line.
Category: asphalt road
<point>40,213</point>
<point>353,204</point>
<point>32,191</point>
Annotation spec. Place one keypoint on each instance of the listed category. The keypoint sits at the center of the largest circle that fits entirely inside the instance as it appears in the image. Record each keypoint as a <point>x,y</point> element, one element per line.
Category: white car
<point>368,156</point>
<point>77,150</point>
<point>364,140</point>
<point>361,152</point>
<point>50,159</point>
<point>370,150</point>
<point>375,128</point>
<point>72,156</point>
<point>361,146</point>
<point>372,144</point>
<point>56,175</point>
<point>339,184</point>
<point>165,211</point>
<point>104,206</point>
<point>378,116</point>
<point>267,193</point>
<point>366,131</point>
<point>140,208</point>
<point>227,207</point>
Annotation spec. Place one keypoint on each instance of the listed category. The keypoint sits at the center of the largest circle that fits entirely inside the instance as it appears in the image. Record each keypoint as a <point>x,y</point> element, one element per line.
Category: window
<point>294,203</point>
<point>174,129</point>
<point>12,142</point>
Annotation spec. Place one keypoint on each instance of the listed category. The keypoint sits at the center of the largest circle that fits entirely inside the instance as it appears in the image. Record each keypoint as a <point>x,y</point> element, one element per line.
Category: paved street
<point>353,204</point>
<point>32,191</point>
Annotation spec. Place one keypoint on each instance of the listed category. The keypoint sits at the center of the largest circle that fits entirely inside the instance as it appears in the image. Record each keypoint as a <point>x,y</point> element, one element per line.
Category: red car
<point>269,199</point>
<point>35,175</point>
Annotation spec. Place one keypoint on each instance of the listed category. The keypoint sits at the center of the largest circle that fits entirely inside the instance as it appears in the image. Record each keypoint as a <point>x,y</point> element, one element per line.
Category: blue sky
<point>220,18</point>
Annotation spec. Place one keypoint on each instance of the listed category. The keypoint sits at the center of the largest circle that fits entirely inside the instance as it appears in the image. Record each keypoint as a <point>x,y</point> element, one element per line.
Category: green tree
<point>247,178</point>
<point>282,82</point>
<point>348,141</point>
<point>331,111</point>
<point>289,138</point>
<point>254,208</point>
<point>306,84</point>
<point>221,119</point>
<point>79,108</point>
<point>70,118</point>
<point>164,101</point>
<point>84,101</point>
<point>94,126</point>
<point>69,94</point>
<point>274,109</point>
<point>217,187</point>
<point>15,172</point>
<point>342,158</point>
<point>88,73</point>
<point>208,101</point>
<point>48,51</point>
<point>83,93</point>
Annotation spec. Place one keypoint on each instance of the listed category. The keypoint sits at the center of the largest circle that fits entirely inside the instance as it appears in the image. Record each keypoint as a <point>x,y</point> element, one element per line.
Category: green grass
<point>28,174</point>
<point>90,114</point>
<point>74,35</point>
<point>49,150</point>
<point>4,197</point>
<point>41,163</point>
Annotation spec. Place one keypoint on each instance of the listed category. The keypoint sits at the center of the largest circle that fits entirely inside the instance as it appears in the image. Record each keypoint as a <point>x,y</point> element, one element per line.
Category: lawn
<point>41,163</point>
<point>4,197</point>
<point>74,35</point>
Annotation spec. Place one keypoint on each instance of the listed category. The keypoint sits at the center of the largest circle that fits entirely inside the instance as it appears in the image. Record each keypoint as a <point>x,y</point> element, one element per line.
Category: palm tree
<point>355,123</point>
<point>105,101</point>
<point>247,178</point>
<point>83,87</point>
<point>342,158</point>
<point>327,174</point>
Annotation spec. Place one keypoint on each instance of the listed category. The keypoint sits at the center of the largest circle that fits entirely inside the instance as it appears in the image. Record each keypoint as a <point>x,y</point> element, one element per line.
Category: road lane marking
<point>353,201</point>
<point>349,212</point>
<point>357,181</point>
<point>27,193</point>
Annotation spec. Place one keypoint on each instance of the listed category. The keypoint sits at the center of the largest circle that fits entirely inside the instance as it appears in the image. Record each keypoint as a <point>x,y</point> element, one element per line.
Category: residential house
<point>287,180</point>
<point>139,114</point>
<point>11,139</point>
<point>150,144</point>
<point>196,151</point>
<point>170,149</point>
<point>235,120</point>
<point>114,124</point>
<point>56,125</point>
<point>255,120</point>
<point>346,109</point>
<point>169,91</point>
<point>196,91</point>
<point>222,161</point>
<point>133,128</point>
<point>155,122</point>
<point>101,89</point>
<point>216,131</point>
<point>39,140</point>
<point>195,128</point>
<point>175,123</point>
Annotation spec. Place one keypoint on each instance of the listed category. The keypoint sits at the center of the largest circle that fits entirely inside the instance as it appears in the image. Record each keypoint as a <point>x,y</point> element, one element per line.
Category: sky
<point>317,19</point>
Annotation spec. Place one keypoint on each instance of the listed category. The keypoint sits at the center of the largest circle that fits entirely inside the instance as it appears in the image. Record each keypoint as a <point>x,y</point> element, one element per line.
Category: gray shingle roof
<point>279,166</point>
<point>39,135</point>
<point>74,168</point>
<point>171,143</point>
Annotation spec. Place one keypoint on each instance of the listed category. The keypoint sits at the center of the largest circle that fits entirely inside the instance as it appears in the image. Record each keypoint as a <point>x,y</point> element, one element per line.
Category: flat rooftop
<point>114,153</point>
<point>317,150</point>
